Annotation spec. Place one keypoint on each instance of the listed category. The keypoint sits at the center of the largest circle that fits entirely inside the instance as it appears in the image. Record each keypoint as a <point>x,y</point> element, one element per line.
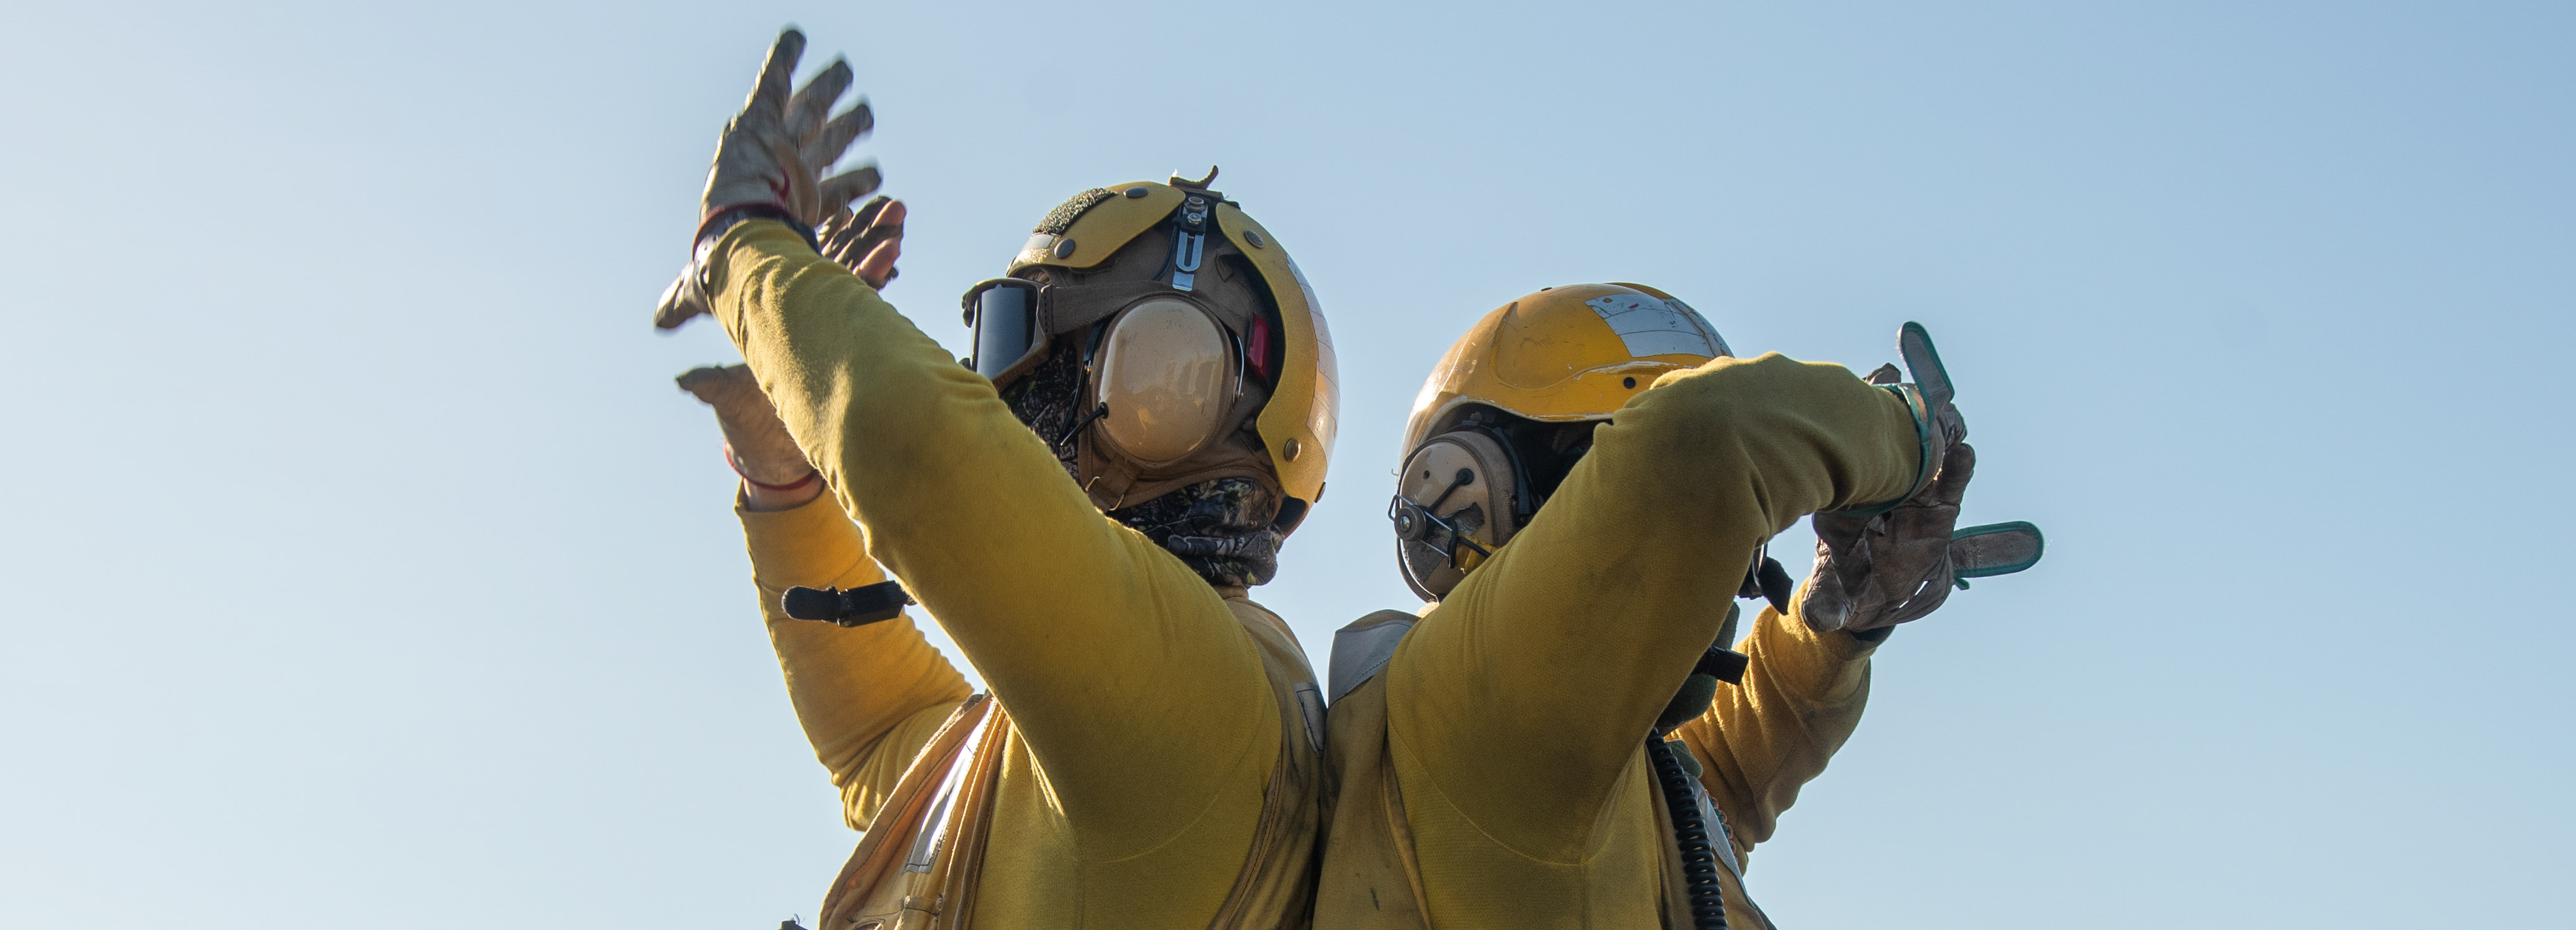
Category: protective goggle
<point>1166,369</point>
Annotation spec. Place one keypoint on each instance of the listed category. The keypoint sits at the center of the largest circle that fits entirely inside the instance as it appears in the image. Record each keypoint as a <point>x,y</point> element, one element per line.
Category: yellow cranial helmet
<point>1511,408</point>
<point>1188,345</point>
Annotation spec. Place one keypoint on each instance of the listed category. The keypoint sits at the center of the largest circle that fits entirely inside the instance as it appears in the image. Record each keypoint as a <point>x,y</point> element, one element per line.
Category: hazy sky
<point>362,564</point>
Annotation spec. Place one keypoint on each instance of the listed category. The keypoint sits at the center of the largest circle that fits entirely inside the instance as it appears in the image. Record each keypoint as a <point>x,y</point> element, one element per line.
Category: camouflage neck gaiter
<point>1221,528</point>
<point>1044,400</point>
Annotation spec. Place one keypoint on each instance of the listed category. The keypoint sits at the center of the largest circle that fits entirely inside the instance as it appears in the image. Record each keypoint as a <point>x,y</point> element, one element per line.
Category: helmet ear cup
<point>1168,376</point>
<point>1456,484</point>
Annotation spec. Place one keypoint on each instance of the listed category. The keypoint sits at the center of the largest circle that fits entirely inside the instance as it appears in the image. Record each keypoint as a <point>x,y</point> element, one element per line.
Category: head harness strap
<point>1189,235</point>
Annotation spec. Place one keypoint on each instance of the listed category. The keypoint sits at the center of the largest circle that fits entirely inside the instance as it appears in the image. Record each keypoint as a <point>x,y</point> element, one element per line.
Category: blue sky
<point>364,565</point>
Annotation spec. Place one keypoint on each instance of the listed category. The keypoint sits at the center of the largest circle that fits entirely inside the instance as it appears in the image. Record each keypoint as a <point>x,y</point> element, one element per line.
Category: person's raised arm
<point>1766,736</point>
<point>1116,660</point>
<point>867,697</point>
<point>1532,685</point>
<point>1808,677</point>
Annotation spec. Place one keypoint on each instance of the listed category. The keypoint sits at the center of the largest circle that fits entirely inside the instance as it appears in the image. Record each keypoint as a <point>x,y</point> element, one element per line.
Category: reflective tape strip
<point>1650,326</point>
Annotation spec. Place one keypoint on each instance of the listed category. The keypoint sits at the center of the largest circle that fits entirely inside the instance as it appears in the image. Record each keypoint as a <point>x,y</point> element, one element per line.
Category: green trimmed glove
<point>1883,570</point>
<point>1880,567</point>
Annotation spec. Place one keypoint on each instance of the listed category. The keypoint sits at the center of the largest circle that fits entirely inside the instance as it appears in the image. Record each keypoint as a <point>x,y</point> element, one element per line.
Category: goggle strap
<point>1066,308</point>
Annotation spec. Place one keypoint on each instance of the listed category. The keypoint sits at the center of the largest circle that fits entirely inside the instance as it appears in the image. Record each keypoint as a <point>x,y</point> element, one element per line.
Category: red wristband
<point>810,476</point>
<point>722,219</point>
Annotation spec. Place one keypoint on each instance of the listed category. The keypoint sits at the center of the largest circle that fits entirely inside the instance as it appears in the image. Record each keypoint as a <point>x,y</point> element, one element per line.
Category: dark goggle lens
<point>1006,318</point>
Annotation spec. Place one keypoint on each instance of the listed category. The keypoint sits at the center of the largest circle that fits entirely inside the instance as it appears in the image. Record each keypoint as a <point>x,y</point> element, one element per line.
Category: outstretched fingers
<point>770,94</point>
<point>839,190</point>
<point>867,213</point>
<point>808,109</point>
<point>1951,485</point>
<point>878,268</point>
<point>868,241</point>
<point>839,133</point>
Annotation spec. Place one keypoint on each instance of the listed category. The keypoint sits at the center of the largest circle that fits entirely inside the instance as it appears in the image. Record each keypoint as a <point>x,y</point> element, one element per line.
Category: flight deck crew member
<point>1588,475</point>
<point>1082,506</point>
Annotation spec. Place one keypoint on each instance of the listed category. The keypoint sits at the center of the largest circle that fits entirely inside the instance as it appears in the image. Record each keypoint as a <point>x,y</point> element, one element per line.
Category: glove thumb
<point>685,298</point>
<point>1822,603</point>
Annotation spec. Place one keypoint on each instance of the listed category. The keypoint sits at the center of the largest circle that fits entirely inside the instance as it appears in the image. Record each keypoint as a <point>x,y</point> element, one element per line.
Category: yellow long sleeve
<point>1149,723</point>
<point>868,696</point>
<point>1801,697</point>
<point>1517,709</point>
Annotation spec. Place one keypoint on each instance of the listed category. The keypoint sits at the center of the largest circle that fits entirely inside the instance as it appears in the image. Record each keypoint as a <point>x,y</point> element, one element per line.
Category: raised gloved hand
<point>775,150</point>
<point>1882,570</point>
<point>1884,566</point>
<point>769,164</point>
<point>1879,568</point>
<point>755,441</point>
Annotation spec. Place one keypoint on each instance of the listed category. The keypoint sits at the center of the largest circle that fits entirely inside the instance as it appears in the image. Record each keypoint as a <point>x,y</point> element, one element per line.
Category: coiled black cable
<point>1699,855</point>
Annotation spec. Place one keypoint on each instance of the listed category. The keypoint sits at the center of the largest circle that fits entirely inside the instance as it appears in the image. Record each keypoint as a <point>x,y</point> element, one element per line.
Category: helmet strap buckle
<point>1189,234</point>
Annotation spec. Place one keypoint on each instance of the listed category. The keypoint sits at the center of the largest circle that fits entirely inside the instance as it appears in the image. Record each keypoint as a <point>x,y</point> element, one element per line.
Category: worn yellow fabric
<point>868,697</point>
<point>1760,741</point>
<point>1145,727</point>
<point>1517,709</point>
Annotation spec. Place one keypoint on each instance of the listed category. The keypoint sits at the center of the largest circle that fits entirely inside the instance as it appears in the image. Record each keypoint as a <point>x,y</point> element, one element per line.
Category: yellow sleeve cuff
<point>814,544</point>
<point>1818,666</point>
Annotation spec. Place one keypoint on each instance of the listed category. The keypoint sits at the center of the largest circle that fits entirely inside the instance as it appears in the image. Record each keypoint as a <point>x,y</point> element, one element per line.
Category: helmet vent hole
<point>1629,383</point>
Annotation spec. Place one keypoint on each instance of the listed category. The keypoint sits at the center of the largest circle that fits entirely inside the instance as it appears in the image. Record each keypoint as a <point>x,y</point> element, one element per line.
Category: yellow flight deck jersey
<point>1493,773</point>
<point>1145,729</point>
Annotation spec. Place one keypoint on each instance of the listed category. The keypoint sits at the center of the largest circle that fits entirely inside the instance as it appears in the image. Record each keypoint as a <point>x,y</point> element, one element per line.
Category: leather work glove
<point>769,162</point>
<point>756,443</point>
<point>1882,570</point>
<point>1879,568</point>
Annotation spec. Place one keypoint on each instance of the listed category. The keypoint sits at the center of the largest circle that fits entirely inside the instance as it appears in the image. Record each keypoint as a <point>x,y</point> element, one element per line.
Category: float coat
<point>1500,778</point>
<point>1146,731</point>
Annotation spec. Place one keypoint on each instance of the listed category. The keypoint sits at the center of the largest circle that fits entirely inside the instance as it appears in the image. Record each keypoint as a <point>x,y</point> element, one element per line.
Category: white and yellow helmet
<point>1510,409</point>
<point>1193,326</point>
